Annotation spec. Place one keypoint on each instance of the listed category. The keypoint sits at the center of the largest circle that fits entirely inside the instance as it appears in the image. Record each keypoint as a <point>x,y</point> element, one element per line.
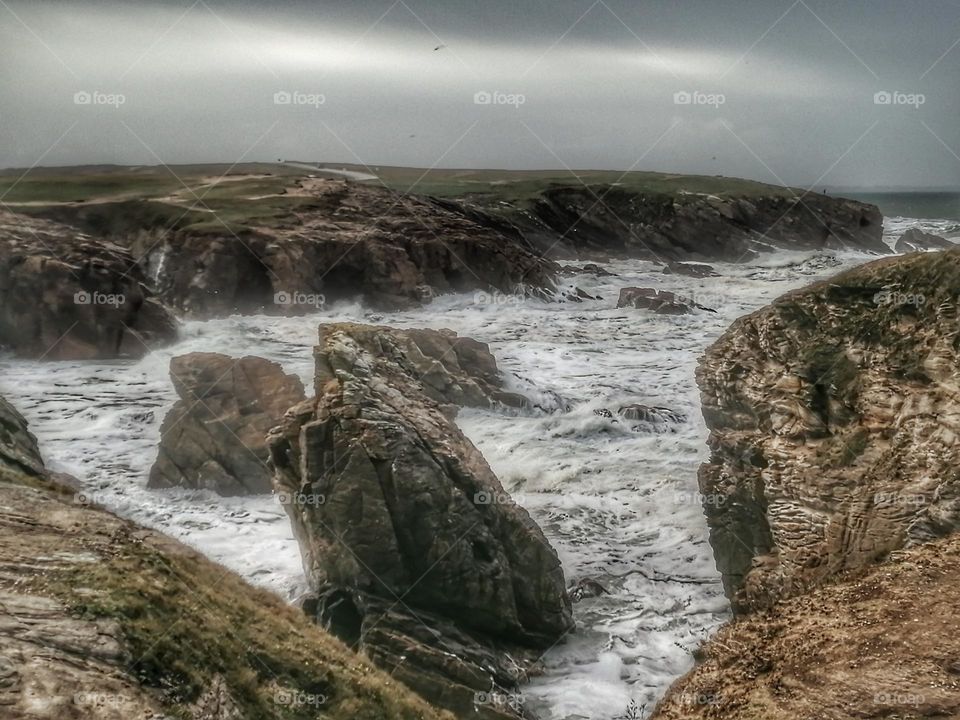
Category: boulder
<point>916,240</point>
<point>833,420</point>
<point>65,296</point>
<point>351,241</point>
<point>416,553</point>
<point>654,416</point>
<point>214,437</point>
<point>662,302</point>
<point>694,270</point>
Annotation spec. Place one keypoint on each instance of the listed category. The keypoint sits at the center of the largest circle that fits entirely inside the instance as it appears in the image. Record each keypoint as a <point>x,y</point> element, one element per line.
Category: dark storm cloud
<point>774,90</point>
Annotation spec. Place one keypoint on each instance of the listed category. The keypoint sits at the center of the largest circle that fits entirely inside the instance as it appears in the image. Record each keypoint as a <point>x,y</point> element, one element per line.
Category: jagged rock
<point>671,226</point>
<point>586,588</point>
<point>214,437</point>
<point>834,422</point>
<point>103,620</point>
<point>662,302</point>
<point>416,553</point>
<point>869,645</point>
<point>65,296</point>
<point>18,446</point>
<point>588,269</point>
<point>393,250</point>
<point>453,371</point>
<point>653,415</point>
<point>695,270</point>
<point>916,240</point>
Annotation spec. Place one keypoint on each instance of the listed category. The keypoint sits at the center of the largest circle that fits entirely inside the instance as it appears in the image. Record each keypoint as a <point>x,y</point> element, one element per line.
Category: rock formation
<point>104,620</point>
<point>214,437</point>
<point>18,447</point>
<point>66,296</point>
<point>670,226</point>
<point>393,250</point>
<point>878,644</point>
<point>416,553</point>
<point>916,240</point>
<point>834,419</point>
<point>696,270</point>
<point>662,302</point>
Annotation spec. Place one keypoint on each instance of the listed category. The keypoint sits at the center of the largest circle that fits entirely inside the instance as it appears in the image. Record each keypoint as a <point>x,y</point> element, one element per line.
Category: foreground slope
<point>100,618</point>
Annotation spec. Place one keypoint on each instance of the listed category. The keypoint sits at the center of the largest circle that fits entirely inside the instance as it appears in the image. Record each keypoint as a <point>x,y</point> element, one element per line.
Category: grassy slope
<point>239,203</point>
<point>187,620</point>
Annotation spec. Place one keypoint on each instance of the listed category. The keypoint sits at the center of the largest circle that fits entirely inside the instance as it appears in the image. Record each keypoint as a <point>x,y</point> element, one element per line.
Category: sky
<point>847,93</point>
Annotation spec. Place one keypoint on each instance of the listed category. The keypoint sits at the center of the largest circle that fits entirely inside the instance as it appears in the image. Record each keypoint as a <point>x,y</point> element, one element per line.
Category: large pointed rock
<point>415,551</point>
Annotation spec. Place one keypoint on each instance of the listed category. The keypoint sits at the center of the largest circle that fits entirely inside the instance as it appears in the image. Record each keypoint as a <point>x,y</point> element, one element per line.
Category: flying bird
<point>439,47</point>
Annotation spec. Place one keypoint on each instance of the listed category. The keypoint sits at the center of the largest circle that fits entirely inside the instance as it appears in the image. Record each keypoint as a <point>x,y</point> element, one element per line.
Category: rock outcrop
<point>66,296</point>
<point>662,302</point>
<point>214,437</point>
<point>18,446</point>
<point>916,240</point>
<point>393,250</point>
<point>834,420</point>
<point>104,620</point>
<point>878,644</point>
<point>671,226</point>
<point>696,270</point>
<point>415,552</point>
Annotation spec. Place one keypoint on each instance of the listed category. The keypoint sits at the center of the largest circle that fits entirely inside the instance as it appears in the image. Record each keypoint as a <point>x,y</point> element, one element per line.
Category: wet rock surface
<point>916,240</point>
<point>214,437</point>
<point>833,415</point>
<point>416,553</point>
<point>662,302</point>
<point>66,296</point>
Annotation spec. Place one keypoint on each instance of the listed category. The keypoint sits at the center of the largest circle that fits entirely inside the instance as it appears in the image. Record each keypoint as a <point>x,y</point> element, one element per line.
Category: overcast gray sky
<point>770,89</point>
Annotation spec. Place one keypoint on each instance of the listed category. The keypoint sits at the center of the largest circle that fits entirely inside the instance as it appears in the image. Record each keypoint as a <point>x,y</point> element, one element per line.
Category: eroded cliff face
<point>834,419</point>
<point>604,220</point>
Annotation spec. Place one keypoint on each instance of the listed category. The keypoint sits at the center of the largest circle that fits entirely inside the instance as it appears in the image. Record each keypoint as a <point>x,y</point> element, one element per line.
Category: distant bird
<point>439,47</point>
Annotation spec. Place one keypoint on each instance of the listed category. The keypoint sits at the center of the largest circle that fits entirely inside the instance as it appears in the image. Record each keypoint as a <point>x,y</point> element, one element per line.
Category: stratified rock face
<point>214,437</point>
<point>882,644</point>
<point>66,296</point>
<point>18,446</point>
<point>402,524</point>
<point>393,250</point>
<point>834,420</point>
<point>916,240</point>
<point>706,228</point>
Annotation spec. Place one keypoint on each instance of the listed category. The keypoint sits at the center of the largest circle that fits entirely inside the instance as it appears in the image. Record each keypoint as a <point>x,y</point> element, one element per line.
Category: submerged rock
<point>662,302</point>
<point>65,296</point>
<point>834,420</point>
<point>695,270</point>
<point>916,240</point>
<point>214,437</point>
<point>416,553</point>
